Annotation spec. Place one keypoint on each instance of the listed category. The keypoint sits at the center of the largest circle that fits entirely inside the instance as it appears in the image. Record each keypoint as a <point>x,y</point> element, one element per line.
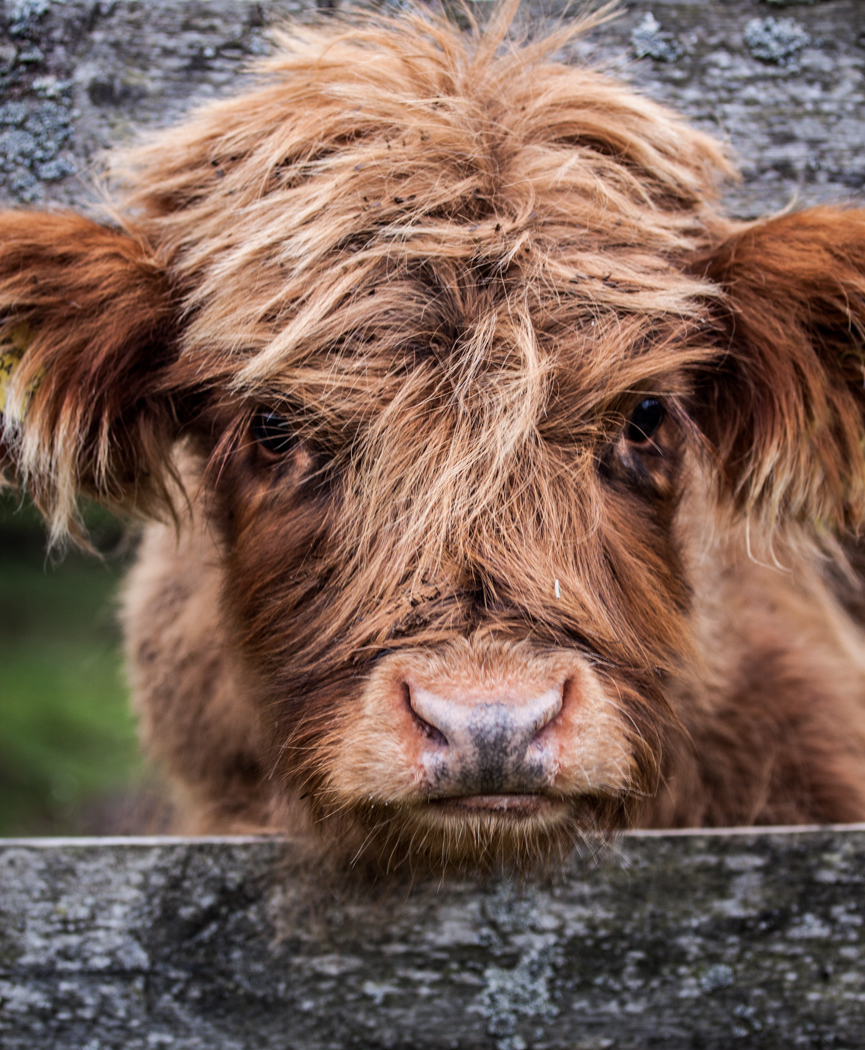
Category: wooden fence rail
<point>739,939</point>
<point>782,82</point>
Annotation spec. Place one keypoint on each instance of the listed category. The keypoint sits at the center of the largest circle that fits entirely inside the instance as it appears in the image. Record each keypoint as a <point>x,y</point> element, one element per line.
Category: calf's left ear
<point>785,404</point>
<point>87,334</point>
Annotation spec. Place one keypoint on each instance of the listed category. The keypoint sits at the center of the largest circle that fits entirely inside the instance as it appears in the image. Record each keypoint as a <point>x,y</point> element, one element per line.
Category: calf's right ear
<point>87,337</point>
<point>784,407</point>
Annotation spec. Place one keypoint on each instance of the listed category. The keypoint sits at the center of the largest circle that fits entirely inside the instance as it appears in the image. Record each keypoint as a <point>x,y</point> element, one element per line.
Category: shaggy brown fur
<point>391,319</point>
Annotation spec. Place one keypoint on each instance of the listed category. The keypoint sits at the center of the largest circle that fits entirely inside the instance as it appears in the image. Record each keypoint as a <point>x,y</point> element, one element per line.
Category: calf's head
<point>449,336</point>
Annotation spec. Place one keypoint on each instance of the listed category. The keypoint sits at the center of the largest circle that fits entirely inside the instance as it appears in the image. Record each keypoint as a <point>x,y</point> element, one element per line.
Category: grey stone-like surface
<point>782,82</point>
<point>79,76</point>
<point>743,939</point>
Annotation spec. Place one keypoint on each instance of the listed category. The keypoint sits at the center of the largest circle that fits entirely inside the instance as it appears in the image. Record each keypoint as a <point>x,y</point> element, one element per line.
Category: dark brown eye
<point>273,432</point>
<point>644,421</point>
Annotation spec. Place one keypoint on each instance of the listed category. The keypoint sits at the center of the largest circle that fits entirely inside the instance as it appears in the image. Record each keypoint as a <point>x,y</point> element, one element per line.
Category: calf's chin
<point>479,753</point>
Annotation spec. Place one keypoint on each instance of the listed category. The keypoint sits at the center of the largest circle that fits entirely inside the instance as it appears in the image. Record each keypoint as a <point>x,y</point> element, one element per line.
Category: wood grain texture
<point>784,84</point>
<point>742,939</point>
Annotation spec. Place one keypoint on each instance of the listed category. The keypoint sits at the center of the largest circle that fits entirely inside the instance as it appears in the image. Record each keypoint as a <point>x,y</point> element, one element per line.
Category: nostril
<point>428,730</point>
<point>550,705</point>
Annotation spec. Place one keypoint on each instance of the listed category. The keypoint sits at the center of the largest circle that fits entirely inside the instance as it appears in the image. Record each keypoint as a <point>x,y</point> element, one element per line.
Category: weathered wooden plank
<point>77,76</point>
<point>782,83</point>
<point>751,939</point>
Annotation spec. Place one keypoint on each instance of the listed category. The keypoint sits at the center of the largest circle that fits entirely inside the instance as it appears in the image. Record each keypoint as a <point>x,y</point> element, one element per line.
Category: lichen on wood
<point>80,76</point>
<point>750,938</point>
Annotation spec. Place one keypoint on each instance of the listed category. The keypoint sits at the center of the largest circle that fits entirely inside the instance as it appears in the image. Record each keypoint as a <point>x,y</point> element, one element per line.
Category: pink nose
<point>487,744</point>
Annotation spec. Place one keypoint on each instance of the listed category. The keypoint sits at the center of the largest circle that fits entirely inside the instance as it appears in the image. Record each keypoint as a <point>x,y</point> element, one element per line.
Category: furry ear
<point>785,407</point>
<point>87,326</point>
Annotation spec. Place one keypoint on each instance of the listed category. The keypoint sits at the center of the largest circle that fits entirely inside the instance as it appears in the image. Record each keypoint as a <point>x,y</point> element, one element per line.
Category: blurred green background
<point>69,761</point>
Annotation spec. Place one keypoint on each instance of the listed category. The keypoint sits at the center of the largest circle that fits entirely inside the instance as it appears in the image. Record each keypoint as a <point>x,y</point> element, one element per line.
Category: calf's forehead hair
<point>440,248</point>
<point>398,183</point>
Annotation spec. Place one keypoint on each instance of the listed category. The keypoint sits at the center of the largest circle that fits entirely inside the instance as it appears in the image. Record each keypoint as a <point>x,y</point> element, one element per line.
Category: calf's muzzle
<point>485,743</point>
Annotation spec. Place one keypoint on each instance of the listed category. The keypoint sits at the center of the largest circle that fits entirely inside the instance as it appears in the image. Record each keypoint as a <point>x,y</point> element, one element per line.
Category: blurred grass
<point>67,739</point>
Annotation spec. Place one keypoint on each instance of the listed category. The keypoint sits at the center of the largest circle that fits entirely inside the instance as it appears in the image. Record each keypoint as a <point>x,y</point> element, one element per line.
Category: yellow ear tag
<point>14,341</point>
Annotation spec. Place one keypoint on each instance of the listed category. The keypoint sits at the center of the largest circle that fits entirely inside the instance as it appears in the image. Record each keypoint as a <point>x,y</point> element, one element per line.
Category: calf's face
<point>452,338</point>
<point>439,651</point>
<point>459,586</point>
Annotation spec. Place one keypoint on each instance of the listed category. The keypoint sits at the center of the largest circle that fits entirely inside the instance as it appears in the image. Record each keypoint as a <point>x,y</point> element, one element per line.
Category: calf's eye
<point>644,421</point>
<point>273,432</point>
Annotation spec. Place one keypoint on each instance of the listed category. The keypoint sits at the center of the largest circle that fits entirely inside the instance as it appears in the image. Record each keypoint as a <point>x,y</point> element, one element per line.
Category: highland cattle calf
<point>509,491</point>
